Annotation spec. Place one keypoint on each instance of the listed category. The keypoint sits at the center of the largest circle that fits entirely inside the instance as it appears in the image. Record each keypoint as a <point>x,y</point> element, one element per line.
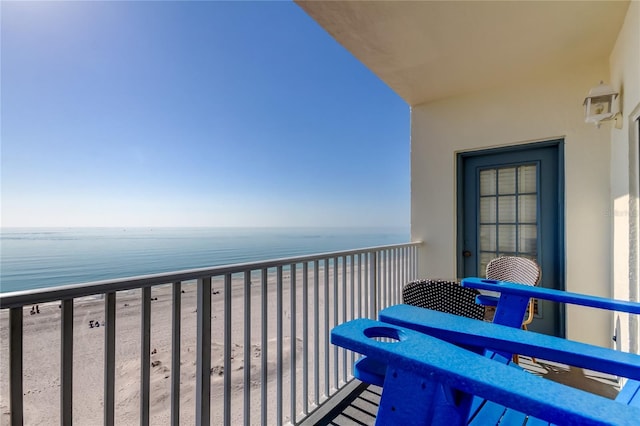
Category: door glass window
<point>508,219</point>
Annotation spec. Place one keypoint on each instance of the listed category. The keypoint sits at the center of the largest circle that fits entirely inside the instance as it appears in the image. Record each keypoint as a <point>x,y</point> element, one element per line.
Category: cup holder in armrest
<point>385,334</point>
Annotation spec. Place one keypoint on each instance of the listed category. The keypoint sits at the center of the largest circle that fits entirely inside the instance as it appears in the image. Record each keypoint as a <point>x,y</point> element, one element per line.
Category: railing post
<point>326,327</point>
<point>66,363</point>
<point>247,348</point>
<point>394,277</point>
<point>316,333</point>
<point>383,284</point>
<point>109,358</point>
<point>383,267</point>
<point>373,276</point>
<point>417,261</point>
<point>227,350</point>
<point>305,338</point>
<point>292,360</point>
<point>279,414</point>
<point>335,322</point>
<point>175,353</point>
<point>15,361</point>
<point>344,314</point>
<point>264,346</point>
<point>203,354</point>
<point>405,265</point>
<point>145,355</point>
<point>353,304</point>
<point>367,287</point>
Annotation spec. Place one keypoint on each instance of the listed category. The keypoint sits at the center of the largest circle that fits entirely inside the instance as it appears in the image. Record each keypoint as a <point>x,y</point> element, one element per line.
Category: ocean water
<point>37,257</point>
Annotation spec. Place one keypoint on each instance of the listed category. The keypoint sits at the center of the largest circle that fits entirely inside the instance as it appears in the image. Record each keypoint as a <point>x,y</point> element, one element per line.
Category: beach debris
<point>216,292</point>
<point>154,351</point>
<point>155,363</point>
<point>257,350</point>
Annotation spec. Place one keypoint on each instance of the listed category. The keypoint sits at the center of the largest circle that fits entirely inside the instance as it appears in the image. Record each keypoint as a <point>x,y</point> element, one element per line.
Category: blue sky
<point>193,114</point>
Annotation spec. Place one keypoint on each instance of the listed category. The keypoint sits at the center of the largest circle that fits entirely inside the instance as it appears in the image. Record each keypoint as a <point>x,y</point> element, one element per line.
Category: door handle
<point>466,253</point>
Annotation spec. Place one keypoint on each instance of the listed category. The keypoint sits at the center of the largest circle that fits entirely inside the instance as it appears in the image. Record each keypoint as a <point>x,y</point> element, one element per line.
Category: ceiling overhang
<point>428,50</point>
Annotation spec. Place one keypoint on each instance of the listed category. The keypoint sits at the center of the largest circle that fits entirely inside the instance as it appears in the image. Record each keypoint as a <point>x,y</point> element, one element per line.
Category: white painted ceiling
<point>428,50</point>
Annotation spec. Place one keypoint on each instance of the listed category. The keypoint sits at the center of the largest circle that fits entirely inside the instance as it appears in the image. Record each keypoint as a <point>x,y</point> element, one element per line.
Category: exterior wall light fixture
<point>598,106</point>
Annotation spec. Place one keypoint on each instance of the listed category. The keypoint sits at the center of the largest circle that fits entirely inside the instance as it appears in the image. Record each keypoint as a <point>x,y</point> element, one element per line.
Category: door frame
<point>558,144</point>
<point>634,238</point>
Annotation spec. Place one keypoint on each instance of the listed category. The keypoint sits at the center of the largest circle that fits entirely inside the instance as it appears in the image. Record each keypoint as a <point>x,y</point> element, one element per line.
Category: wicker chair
<point>444,296</point>
<point>518,270</point>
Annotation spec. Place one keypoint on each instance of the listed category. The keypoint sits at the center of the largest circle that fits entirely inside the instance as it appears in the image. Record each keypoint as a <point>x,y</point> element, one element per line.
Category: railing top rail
<point>28,297</point>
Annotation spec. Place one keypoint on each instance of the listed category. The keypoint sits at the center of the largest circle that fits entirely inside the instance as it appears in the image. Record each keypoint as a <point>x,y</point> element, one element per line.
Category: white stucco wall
<point>549,107</point>
<point>625,77</point>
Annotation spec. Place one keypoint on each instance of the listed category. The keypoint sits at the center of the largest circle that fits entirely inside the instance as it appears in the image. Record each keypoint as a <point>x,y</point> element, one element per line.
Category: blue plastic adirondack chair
<point>433,378</point>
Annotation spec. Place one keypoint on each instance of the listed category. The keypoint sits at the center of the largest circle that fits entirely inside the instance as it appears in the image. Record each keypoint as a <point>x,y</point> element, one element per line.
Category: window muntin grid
<point>508,215</point>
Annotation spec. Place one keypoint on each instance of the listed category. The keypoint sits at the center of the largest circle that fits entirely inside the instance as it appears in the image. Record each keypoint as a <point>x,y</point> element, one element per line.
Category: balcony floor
<point>361,407</point>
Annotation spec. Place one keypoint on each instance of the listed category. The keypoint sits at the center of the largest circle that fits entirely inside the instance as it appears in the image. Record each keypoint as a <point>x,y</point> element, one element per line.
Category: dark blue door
<point>510,203</point>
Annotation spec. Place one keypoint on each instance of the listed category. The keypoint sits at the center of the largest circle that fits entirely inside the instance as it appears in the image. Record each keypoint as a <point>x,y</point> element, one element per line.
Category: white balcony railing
<point>287,308</point>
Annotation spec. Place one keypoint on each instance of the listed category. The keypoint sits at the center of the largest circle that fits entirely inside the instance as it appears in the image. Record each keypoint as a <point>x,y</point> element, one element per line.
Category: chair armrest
<point>417,363</point>
<point>484,335</point>
<point>553,295</point>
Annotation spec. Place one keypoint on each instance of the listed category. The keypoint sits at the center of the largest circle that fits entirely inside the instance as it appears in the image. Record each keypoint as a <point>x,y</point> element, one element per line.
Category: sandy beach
<point>42,353</point>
